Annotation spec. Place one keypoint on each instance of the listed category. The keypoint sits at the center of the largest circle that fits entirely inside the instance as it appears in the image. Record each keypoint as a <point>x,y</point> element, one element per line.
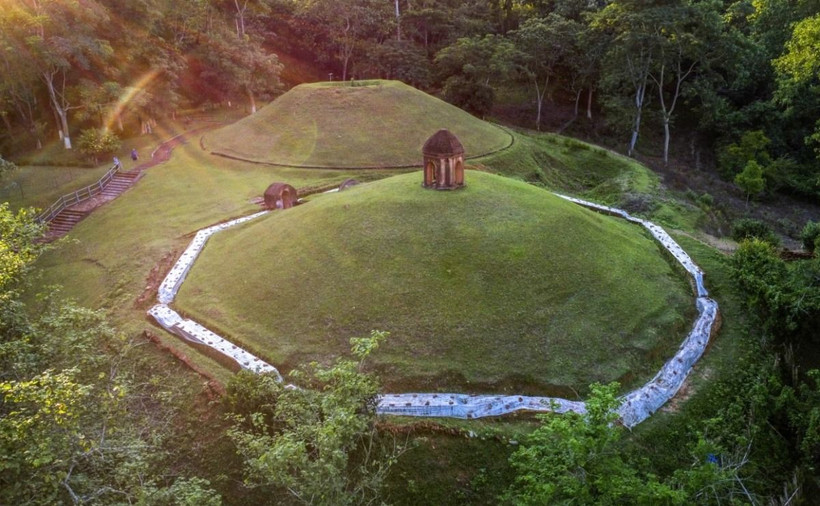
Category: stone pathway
<point>637,405</point>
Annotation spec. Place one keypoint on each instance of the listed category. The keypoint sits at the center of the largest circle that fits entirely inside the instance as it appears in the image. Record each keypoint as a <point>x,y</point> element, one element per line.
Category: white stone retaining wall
<point>637,405</point>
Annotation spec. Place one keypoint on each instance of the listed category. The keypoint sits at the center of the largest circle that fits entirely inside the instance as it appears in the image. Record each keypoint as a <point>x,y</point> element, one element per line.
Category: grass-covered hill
<point>342,125</point>
<point>497,287</point>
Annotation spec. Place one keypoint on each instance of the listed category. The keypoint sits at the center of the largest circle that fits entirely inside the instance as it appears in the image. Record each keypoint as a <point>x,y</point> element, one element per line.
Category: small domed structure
<point>280,196</point>
<point>443,161</point>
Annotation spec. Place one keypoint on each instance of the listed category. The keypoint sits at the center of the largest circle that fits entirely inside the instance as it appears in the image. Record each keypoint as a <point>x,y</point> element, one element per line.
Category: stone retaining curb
<point>637,405</point>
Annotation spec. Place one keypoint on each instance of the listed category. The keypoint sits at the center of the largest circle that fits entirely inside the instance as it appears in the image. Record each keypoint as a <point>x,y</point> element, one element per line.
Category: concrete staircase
<point>119,183</point>
<point>63,223</point>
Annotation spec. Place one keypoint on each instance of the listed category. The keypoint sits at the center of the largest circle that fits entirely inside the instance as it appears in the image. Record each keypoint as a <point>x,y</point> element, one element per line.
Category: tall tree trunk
<point>589,104</point>
<point>539,100</point>
<point>59,110</point>
<point>665,139</point>
<point>577,100</point>
<point>640,95</point>
<point>252,101</point>
<point>398,22</point>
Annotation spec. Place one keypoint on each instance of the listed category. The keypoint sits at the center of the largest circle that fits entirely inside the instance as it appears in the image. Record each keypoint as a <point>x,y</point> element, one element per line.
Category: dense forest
<point>90,416</point>
<point>716,83</point>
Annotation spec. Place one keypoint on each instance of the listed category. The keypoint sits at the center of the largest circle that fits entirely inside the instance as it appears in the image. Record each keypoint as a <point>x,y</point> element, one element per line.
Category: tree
<point>96,142</point>
<point>750,179</point>
<point>799,66</point>
<point>633,26</point>
<point>18,248</point>
<point>6,167</point>
<point>544,44</point>
<point>573,458</point>
<point>317,441</point>
<point>753,146</point>
<point>60,40</point>
<point>348,23</point>
<point>468,68</point>
<point>688,40</point>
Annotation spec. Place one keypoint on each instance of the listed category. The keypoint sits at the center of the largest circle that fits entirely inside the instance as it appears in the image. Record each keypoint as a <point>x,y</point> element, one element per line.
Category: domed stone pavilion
<point>443,161</point>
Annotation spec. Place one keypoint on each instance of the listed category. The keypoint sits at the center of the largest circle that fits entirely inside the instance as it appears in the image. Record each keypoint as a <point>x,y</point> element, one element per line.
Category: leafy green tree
<point>751,180</point>
<point>688,44</point>
<point>18,248</point>
<point>544,44</point>
<point>60,42</point>
<point>96,142</point>
<point>799,68</point>
<point>635,30</point>
<point>6,167</point>
<point>346,24</point>
<point>810,236</point>
<point>317,441</point>
<point>753,146</point>
<point>470,65</point>
<point>574,458</point>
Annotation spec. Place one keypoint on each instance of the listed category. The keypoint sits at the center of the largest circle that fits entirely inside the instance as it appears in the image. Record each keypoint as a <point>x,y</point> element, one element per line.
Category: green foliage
<point>39,431</point>
<point>472,96</point>
<point>317,441</point>
<point>785,299</point>
<point>751,147</point>
<point>810,235</point>
<point>96,142</point>
<point>183,492</point>
<point>801,61</point>
<point>6,167</point>
<point>470,66</point>
<point>750,179</point>
<point>18,248</point>
<point>750,228</point>
<point>574,458</point>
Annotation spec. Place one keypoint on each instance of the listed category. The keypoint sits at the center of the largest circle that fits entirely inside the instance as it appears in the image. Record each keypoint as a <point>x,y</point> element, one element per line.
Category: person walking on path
<point>117,163</point>
<point>134,155</point>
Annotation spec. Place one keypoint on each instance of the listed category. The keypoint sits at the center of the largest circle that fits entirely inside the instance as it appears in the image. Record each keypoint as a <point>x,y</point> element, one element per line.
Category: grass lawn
<point>373,124</point>
<point>106,261</point>
<point>39,187</point>
<point>497,287</point>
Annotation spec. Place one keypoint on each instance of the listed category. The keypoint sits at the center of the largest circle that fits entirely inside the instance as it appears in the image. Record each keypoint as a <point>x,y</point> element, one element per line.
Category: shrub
<point>96,142</point>
<point>6,166</point>
<point>811,236</point>
<point>748,228</point>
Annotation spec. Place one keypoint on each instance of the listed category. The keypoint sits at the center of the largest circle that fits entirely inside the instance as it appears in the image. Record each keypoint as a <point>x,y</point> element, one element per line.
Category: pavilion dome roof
<point>443,143</point>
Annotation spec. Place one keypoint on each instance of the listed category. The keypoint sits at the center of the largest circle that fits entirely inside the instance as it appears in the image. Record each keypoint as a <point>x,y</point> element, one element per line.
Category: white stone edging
<point>637,405</point>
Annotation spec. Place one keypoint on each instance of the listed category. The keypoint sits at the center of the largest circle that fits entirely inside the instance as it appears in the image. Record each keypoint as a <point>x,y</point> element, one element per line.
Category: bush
<point>96,142</point>
<point>705,201</point>
<point>811,236</point>
<point>748,228</point>
<point>6,166</point>
<point>475,97</point>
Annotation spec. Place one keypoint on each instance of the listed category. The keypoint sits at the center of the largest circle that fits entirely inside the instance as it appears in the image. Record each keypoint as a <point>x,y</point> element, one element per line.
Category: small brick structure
<point>443,161</point>
<point>280,196</point>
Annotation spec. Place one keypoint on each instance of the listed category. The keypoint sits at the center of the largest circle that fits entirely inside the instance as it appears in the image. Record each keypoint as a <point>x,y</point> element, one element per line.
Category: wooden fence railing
<point>76,197</point>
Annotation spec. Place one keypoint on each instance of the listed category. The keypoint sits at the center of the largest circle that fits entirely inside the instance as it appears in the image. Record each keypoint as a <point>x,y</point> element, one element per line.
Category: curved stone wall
<point>637,405</point>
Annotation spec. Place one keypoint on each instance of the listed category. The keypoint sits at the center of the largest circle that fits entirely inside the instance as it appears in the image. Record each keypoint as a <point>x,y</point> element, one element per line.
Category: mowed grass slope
<point>497,287</point>
<point>110,259</point>
<point>371,124</point>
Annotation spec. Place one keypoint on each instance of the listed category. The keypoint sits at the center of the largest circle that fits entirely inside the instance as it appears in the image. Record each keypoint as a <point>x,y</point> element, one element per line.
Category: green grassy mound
<point>497,287</point>
<point>371,124</point>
